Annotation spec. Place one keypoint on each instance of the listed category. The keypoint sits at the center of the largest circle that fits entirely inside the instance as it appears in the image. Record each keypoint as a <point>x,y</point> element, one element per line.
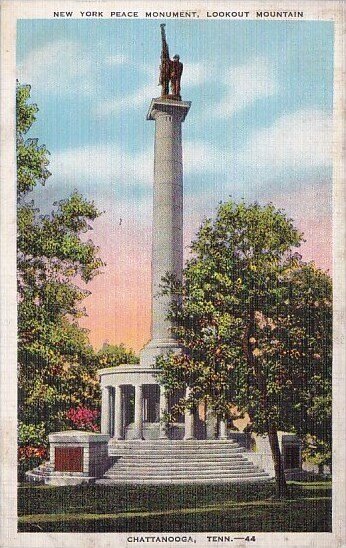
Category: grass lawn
<point>202,508</point>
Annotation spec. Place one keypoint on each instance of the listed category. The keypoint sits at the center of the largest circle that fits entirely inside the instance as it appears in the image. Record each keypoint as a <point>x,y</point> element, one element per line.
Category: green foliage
<point>30,434</point>
<point>256,322</point>
<point>112,355</point>
<point>57,365</point>
<point>32,160</point>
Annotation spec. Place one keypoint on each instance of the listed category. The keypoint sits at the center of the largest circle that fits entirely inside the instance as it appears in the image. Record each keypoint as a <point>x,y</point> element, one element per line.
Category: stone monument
<point>126,383</point>
<point>168,112</point>
<point>135,444</point>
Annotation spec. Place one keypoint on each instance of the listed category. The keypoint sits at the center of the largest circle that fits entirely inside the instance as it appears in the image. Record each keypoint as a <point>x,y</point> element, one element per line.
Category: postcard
<point>172,273</point>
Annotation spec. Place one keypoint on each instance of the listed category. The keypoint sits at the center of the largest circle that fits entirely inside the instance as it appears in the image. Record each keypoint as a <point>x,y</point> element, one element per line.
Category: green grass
<point>99,508</point>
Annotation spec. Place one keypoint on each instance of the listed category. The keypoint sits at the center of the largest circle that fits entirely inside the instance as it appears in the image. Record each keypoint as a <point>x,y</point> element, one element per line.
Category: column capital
<point>171,107</point>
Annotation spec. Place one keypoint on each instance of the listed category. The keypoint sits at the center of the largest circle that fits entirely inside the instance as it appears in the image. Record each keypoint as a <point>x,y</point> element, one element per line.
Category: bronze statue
<point>170,70</point>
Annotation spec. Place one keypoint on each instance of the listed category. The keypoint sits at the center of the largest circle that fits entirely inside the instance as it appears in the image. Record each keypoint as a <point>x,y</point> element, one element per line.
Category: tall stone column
<point>138,431</point>
<point>106,410</point>
<point>167,246</point>
<point>118,414</point>
<point>189,421</point>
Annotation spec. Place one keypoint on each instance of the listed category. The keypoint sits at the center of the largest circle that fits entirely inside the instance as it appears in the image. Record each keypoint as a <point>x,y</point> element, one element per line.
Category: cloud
<point>302,139</point>
<point>66,67</point>
<point>59,67</point>
<point>119,59</point>
<point>133,99</point>
<point>294,144</point>
<point>194,75</point>
<point>246,84</point>
<point>110,164</point>
<point>200,157</point>
<point>103,163</point>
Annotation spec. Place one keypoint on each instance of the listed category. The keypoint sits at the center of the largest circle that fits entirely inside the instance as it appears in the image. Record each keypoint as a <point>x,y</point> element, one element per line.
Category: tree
<point>112,355</point>
<point>57,366</point>
<point>309,312</point>
<point>255,323</point>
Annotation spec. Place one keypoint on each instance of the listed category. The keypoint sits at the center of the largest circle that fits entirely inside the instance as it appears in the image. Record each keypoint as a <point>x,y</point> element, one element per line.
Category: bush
<point>30,457</point>
<point>83,418</point>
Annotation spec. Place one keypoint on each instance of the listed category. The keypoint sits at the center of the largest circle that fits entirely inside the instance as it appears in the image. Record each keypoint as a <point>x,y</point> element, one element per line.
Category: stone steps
<point>182,472</point>
<point>167,450</point>
<point>175,454</point>
<point>185,480</point>
<point>210,469</point>
<point>166,463</point>
<point>169,444</point>
<point>181,462</point>
<point>183,457</point>
<point>46,474</point>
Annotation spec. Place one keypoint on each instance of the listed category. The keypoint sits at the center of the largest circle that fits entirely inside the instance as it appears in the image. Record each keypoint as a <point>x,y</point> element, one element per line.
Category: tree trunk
<point>253,362</point>
<point>281,486</point>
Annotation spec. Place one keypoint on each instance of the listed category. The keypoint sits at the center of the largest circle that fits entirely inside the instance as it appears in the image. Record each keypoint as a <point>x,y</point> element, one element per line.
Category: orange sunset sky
<point>119,306</point>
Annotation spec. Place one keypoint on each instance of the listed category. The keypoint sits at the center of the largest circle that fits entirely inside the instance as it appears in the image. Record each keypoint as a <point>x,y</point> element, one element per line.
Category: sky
<point>259,128</point>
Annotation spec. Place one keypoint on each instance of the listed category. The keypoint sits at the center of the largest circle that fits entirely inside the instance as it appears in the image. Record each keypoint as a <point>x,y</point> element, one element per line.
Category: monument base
<point>155,348</point>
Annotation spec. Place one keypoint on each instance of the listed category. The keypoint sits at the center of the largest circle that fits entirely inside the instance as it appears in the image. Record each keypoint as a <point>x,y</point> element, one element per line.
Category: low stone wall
<point>261,454</point>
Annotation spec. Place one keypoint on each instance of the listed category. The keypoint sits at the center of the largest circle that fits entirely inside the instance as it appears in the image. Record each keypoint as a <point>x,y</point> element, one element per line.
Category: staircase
<point>180,462</point>
<point>46,474</point>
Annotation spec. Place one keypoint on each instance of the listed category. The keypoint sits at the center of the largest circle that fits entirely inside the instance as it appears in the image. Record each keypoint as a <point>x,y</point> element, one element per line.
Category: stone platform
<point>154,462</point>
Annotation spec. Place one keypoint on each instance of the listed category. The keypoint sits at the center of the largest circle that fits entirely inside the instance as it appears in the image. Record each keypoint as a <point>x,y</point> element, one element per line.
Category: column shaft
<point>106,410</point>
<point>163,410</point>
<point>167,252</point>
<point>167,246</point>
<point>223,430</point>
<point>118,414</point>
<point>189,421</point>
<point>138,432</point>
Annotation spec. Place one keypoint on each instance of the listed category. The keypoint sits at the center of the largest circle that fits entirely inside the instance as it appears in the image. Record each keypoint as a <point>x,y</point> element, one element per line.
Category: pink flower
<point>83,418</point>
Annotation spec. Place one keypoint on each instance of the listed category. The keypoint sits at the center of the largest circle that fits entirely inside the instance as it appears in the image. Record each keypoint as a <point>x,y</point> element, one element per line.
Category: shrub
<point>83,418</point>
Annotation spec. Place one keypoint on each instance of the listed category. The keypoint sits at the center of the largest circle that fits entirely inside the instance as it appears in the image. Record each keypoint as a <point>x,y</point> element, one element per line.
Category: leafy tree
<point>57,365</point>
<point>112,355</point>
<point>255,322</point>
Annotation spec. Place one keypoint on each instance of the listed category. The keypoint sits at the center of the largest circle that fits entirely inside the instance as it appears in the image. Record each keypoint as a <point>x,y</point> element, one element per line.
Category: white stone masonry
<point>167,247</point>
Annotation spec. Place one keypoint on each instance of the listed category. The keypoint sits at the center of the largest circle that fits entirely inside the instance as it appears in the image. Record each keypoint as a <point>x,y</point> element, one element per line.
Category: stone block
<point>77,457</point>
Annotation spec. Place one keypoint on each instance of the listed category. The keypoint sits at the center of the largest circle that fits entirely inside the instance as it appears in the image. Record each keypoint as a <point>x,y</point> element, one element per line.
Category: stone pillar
<point>223,430</point>
<point>138,430</point>
<point>163,410</point>
<point>189,421</point>
<point>106,410</point>
<point>118,414</point>
<point>167,247</point>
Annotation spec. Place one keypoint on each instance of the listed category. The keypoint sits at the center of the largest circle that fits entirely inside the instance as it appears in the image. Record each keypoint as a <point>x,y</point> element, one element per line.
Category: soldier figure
<point>175,75</point>
<point>165,68</point>
<point>170,70</point>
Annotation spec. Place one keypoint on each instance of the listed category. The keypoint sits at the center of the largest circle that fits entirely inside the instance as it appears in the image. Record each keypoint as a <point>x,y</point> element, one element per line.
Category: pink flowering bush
<point>83,418</point>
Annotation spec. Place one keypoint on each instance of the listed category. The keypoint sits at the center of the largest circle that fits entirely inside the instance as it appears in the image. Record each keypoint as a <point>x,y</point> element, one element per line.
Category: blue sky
<point>93,81</point>
<point>260,125</point>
